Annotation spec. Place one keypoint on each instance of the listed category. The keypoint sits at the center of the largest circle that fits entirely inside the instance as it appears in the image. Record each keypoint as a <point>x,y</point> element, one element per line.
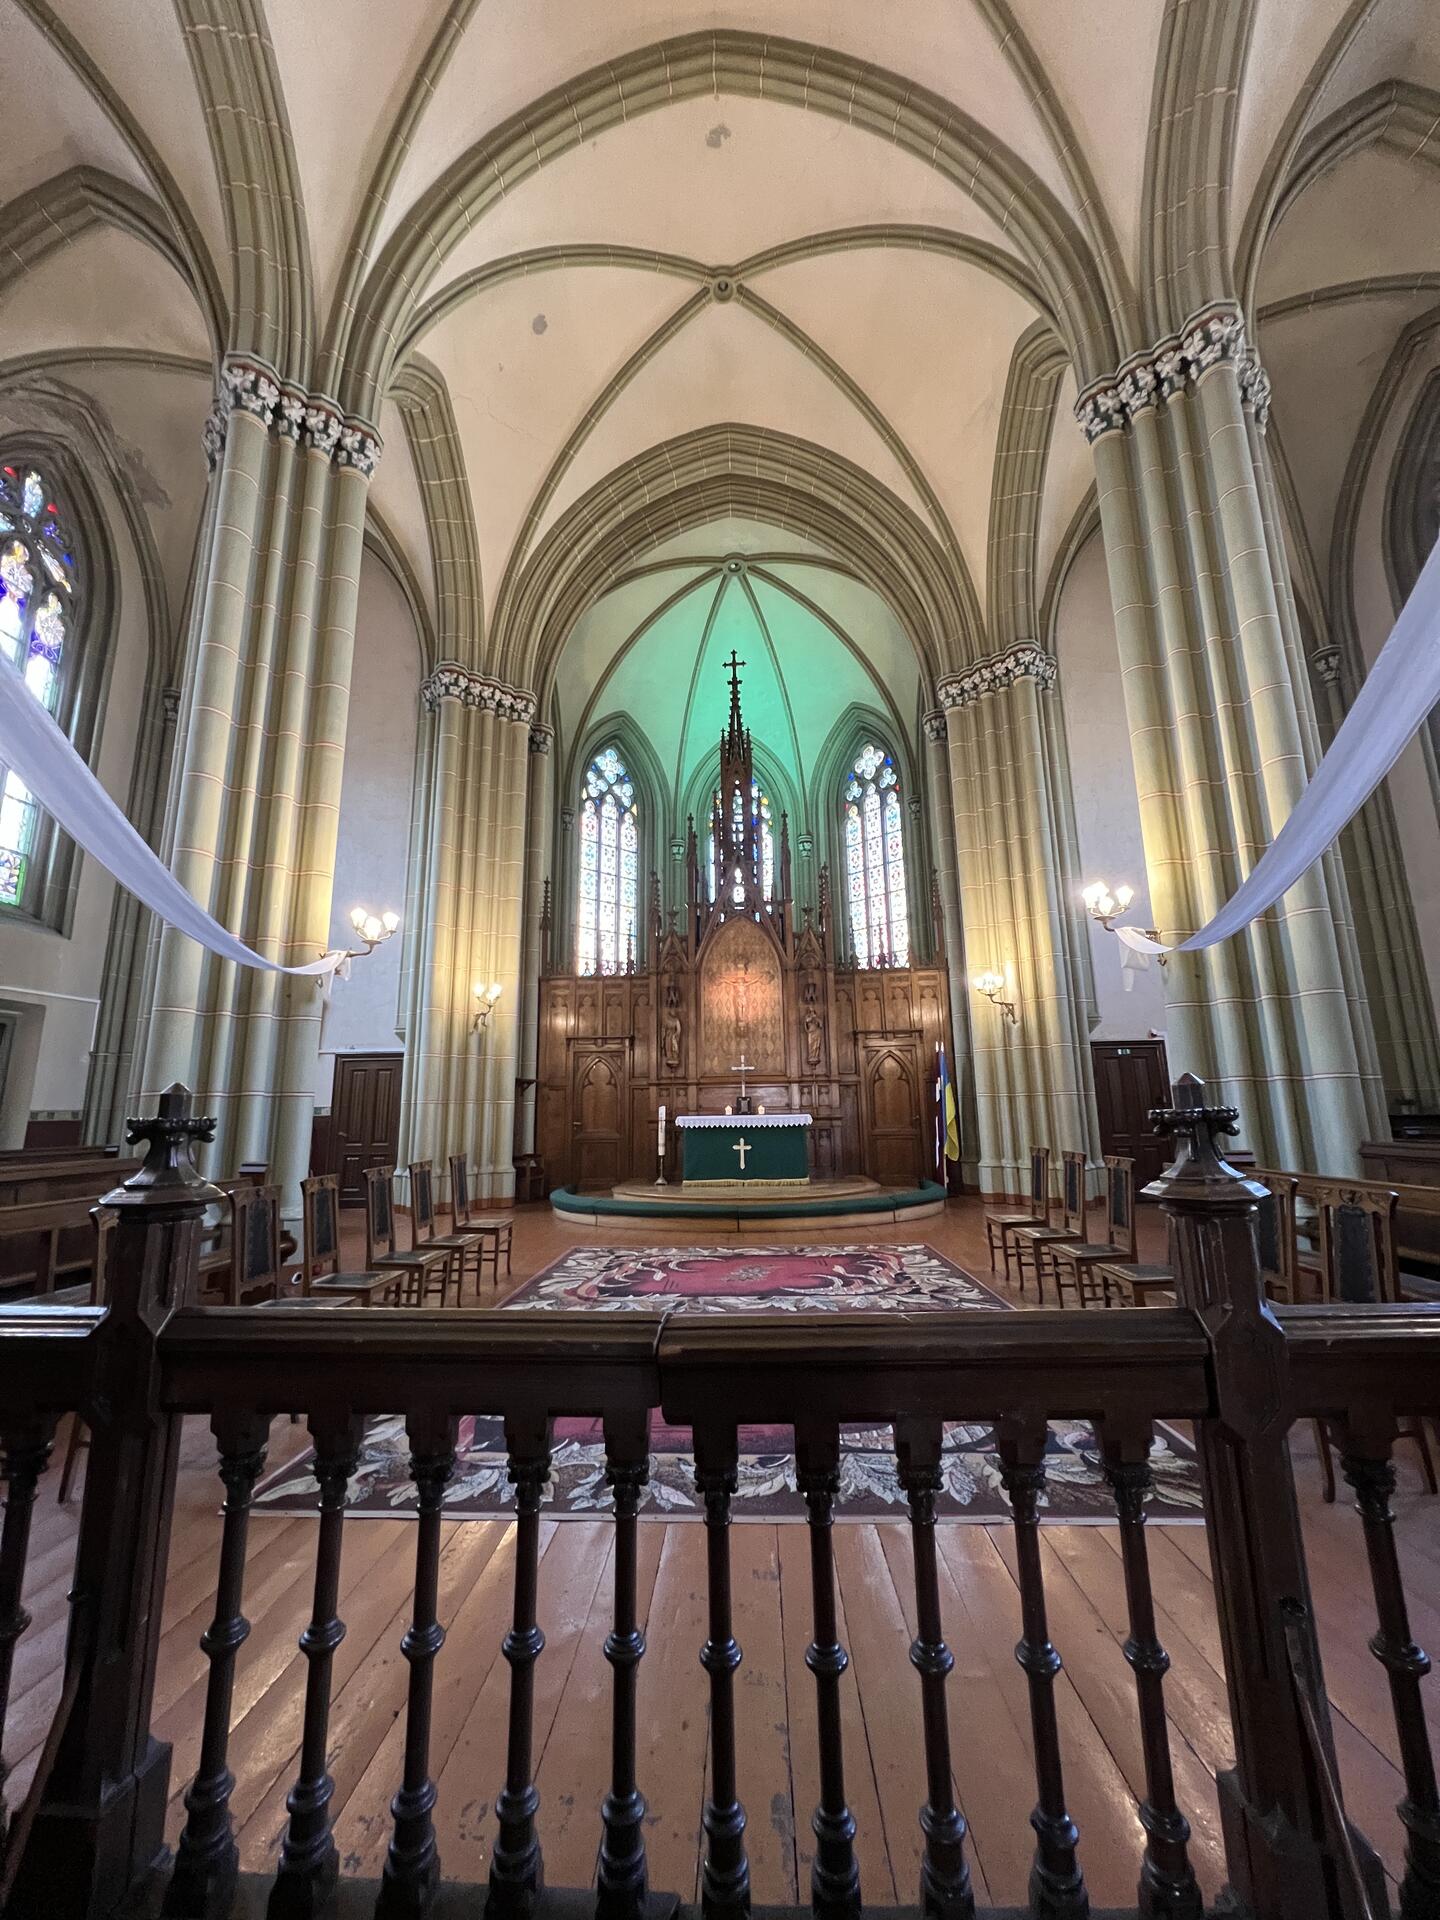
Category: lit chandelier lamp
<point>485,998</point>
<point>992,985</point>
<point>1105,907</point>
<point>373,929</point>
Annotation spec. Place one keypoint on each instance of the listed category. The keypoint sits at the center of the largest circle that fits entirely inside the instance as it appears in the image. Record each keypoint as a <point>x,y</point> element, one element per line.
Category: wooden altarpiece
<point>739,976</point>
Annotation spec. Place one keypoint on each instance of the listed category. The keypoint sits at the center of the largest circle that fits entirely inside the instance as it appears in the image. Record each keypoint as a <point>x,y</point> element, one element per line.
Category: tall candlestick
<point>660,1149</point>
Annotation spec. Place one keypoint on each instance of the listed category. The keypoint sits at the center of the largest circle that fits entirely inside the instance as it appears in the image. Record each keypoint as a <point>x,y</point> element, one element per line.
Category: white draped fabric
<point>1399,691</point>
<point>1389,710</point>
<point>44,759</point>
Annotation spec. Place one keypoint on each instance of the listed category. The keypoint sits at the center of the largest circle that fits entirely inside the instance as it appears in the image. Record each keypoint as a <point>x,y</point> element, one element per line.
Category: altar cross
<point>742,1068</point>
<point>742,1147</point>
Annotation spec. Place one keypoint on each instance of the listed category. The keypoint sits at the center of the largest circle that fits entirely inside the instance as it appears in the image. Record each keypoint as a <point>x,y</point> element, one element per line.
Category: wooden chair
<point>1074,1214</point>
<point>320,1273</point>
<point>1077,1262</point>
<point>1004,1225</point>
<point>1277,1237</point>
<point>252,1273</point>
<point>1359,1267</point>
<point>462,1242</point>
<point>422,1267</point>
<point>79,1440</point>
<point>497,1229</point>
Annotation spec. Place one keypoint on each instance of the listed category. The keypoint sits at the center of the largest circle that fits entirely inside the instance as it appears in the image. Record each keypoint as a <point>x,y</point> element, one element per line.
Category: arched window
<point>37,611</point>
<point>875,861</point>
<point>608,909</point>
<point>759,810</point>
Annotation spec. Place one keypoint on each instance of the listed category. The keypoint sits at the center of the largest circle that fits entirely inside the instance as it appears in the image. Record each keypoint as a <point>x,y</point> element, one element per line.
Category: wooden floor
<point>989,1718</point>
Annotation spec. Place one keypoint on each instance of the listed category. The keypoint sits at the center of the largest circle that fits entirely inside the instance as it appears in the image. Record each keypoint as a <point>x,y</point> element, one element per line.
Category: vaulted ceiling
<point>842,237</point>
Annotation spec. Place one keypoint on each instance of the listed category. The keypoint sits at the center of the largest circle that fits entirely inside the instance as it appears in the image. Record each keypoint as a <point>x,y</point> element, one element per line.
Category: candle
<point>661,1134</point>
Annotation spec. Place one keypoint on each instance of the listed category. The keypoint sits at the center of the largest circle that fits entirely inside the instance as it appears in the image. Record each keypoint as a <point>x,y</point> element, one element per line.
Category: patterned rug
<point>843,1279</point>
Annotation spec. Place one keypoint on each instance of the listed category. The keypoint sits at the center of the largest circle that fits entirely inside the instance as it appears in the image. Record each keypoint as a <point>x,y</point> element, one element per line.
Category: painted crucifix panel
<point>741,1001</point>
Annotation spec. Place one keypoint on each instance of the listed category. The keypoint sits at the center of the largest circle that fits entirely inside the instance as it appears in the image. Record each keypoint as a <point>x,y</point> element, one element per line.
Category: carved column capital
<point>451,681</point>
<point>1024,661</point>
<point>934,727</point>
<point>542,737</point>
<point>311,420</point>
<point>1215,336</point>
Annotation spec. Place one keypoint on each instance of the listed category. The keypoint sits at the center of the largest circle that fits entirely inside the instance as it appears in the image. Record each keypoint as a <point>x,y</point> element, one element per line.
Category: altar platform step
<point>851,1201</point>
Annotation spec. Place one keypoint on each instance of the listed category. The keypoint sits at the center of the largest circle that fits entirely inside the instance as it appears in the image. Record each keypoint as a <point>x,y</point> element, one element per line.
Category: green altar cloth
<point>745,1149</point>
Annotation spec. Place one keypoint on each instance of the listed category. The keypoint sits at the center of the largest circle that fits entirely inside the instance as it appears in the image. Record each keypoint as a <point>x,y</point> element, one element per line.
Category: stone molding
<point>1024,661</point>
<point>1211,338</point>
<point>542,737</point>
<point>305,419</point>
<point>1326,664</point>
<point>933,726</point>
<point>451,681</point>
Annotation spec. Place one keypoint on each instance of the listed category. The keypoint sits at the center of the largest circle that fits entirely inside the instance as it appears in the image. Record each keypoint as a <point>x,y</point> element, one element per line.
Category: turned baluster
<point>945,1892</point>
<point>725,1872</point>
<point>1168,1886</point>
<point>516,1869</point>
<point>412,1865</point>
<point>1057,1888</point>
<point>835,1876</point>
<point>208,1860</point>
<point>309,1860</point>
<point>1367,1463</point>
<point>622,1880</point>
<point>24,1452</point>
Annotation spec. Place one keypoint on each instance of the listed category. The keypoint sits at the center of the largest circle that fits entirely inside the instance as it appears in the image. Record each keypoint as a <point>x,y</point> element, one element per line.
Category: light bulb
<point>390,920</point>
<point>494,993</point>
<point>1124,895</point>
<point>372,929</point>
<point>357,918</point>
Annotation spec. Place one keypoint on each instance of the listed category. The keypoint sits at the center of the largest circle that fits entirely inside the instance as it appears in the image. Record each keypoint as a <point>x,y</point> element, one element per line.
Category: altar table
<point>745,1149</point>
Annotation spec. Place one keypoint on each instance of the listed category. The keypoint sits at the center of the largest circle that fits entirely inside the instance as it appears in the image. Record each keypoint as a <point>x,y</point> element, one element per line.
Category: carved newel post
<point>101,1823</point>
<point>1283,1861</point>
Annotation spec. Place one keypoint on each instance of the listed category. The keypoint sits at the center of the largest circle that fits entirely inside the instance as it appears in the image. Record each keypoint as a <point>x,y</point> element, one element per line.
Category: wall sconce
<point>485,998</point>
<point>372,929</point>
<point>1103,907</point>
<point>992,985</point>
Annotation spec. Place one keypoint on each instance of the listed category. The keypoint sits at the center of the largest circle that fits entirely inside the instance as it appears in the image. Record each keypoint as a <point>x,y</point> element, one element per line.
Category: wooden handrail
<point>1241,1371</point>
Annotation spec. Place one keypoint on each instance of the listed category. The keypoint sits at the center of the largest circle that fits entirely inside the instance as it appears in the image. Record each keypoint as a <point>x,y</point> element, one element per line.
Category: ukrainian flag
<point>947,1114</point>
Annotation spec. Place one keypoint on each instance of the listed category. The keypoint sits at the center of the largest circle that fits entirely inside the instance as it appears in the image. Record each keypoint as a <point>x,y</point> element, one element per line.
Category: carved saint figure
<point>670,1030</point>
<point>814,1032</point>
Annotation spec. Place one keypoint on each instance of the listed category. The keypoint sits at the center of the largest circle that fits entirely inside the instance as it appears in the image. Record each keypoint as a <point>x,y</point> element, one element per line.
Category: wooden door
<point>364,1119</point>
<point>1131,1076</point>
<point>891,1107</point>
<point>598,1108</point>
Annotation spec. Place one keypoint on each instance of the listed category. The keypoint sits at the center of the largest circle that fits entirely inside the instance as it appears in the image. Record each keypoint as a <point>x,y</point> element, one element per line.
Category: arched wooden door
<point>890,1086</point>
<point>598,1106</point>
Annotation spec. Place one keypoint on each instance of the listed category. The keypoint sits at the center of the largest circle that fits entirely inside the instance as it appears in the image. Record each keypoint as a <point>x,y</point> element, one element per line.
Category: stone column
<point>1224,739</point>
<point>255,802</point>
<point>459,1090</point>
<point>942,837</point>
<point>1033,1081</point>
<point>1389,939</point>
<point>539,823</point>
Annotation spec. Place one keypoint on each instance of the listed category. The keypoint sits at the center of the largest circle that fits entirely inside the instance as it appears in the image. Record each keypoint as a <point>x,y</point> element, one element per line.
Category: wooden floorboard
<point>775,1692</point>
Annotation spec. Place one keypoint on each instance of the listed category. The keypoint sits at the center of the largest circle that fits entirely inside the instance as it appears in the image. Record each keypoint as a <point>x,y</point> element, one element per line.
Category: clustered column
<point>1033,1081</point>
<point>254,807</point>
<point>1224,739</point>
<point>459,1092</point>
<point>539,825</point>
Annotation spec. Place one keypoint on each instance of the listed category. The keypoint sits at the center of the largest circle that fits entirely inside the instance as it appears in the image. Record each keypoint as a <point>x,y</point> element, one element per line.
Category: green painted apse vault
<point>817,645</point>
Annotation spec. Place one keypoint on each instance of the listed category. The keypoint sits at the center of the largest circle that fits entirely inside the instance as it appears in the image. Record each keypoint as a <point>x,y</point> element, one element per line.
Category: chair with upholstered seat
<point>1037,1242</point>
<point>320,1275</point>
<point>495,1229</point>
<point>1002,1225</point>
<point>462,1242</point>
<point>1080,1264</point>
<point>1359,1267</point>
<point>420,1269</point>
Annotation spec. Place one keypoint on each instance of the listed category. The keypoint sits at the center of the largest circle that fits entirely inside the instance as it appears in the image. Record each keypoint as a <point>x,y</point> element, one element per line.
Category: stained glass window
<point>37,590</point>
<point>875,861</point>
<point>607,910</point>
<point>760,813</point>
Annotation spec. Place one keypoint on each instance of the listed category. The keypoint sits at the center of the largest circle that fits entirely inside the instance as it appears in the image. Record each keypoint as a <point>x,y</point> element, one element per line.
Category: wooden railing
<point>90,1836</point>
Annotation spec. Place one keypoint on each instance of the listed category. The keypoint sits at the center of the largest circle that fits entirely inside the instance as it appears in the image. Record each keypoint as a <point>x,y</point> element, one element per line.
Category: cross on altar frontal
<point>772,1149</point>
